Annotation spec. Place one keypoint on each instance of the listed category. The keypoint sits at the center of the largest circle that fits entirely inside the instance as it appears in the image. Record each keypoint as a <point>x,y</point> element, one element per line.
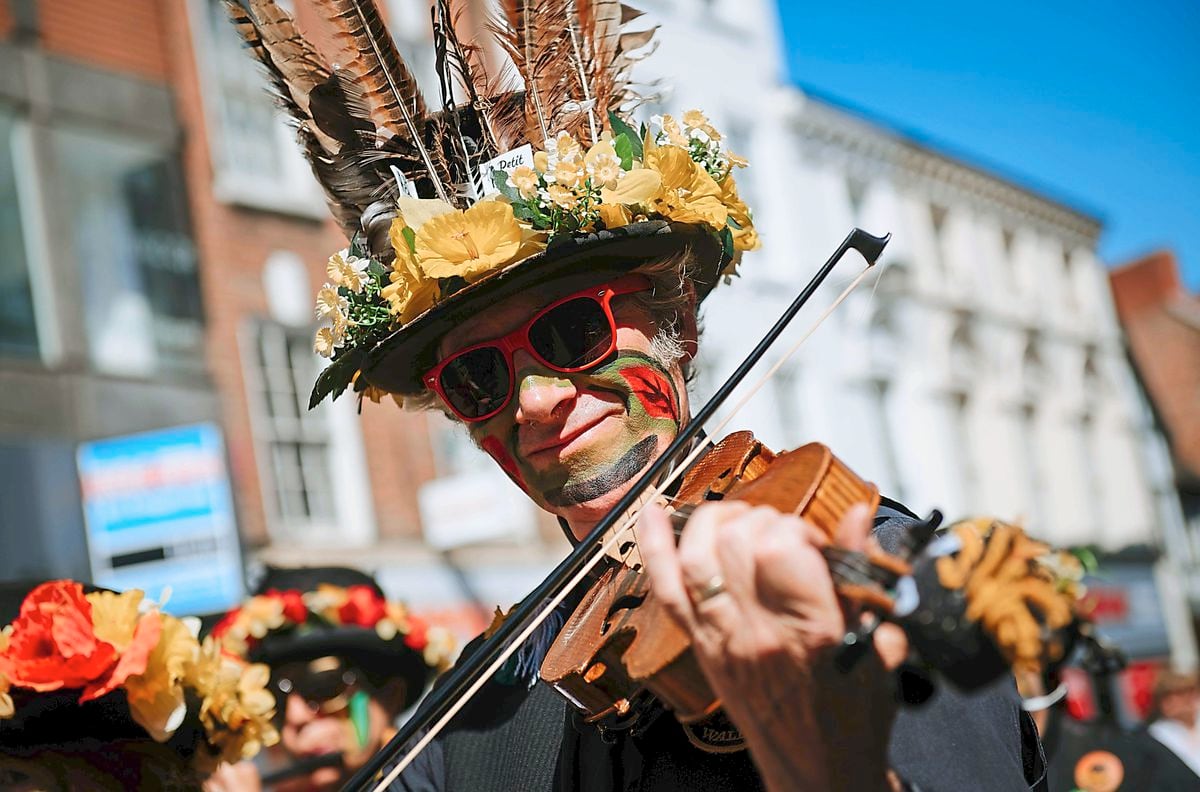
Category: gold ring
<point>714,587</point>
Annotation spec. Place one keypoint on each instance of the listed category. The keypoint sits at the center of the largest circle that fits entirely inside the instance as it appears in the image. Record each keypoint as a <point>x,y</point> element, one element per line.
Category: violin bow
<point>462,682</point>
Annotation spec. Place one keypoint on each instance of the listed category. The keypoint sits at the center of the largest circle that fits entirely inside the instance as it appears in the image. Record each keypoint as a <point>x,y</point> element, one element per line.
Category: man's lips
<point>541,446</point>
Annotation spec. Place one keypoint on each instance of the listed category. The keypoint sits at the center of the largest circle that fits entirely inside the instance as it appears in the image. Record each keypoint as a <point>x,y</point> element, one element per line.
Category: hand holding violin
<point>752,589</point>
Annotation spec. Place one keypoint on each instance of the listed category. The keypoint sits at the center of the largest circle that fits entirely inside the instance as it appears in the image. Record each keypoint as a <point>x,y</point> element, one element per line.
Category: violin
<point>883,579</point>
<point>621,651</point>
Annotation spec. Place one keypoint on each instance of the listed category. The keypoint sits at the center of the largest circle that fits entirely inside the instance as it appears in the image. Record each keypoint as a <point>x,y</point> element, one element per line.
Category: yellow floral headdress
<point>101,642</point>
<point>434,201</point>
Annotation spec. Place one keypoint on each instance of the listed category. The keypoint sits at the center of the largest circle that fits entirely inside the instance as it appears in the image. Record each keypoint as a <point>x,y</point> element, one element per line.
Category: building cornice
<point>869,149</point>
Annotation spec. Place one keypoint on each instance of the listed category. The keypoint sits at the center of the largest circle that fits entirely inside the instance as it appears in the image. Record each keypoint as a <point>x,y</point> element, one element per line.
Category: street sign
<point>159,517</point>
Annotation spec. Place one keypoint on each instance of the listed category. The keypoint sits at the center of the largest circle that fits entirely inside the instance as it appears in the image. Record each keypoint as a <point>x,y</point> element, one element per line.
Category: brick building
<point>161,240</point>
<point>1162,323</point>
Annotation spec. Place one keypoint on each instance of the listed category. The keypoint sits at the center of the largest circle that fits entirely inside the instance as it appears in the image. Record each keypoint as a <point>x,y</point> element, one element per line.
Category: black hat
<point>313,612</point>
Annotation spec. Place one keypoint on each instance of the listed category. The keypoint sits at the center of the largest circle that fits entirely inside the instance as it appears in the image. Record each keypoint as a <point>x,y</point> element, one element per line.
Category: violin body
<point>620,647</point>
<point>620,641</point>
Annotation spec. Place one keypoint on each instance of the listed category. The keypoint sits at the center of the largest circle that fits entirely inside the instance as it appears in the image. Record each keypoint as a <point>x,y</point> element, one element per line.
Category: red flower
<point>363,607</point>
<point>653,390</point>
<point>294,609</point>
<point>227,621</point>
<point>416,638</point>
<point>53,644</point>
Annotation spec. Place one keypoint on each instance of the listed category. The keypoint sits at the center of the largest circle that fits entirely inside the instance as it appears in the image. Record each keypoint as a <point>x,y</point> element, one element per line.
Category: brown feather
<point>396,100</point>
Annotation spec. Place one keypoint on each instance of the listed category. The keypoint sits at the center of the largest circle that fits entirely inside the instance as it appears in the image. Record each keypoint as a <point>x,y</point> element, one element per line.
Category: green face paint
<point>651,419</point>
<point>360,717</point>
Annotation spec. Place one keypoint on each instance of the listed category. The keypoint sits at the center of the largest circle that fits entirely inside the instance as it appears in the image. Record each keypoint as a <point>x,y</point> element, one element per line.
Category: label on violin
<point>715,733</point>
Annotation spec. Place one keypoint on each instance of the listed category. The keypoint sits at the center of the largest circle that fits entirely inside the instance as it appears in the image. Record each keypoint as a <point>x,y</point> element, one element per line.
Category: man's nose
<point>540,392</point>
<point>298,711</point>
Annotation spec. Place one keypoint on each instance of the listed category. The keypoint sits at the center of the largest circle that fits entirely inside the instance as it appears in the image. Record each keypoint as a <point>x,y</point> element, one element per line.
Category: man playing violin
<point>533,262</point>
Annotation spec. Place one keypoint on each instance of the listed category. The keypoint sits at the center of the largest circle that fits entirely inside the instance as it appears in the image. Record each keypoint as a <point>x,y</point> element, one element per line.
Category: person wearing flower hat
<point>530,260</point>
<point>345,662</point>
<point>101,690</point>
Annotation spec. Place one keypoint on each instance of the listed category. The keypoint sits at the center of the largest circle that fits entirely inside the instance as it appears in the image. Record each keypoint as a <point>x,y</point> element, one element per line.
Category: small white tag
<point>405,186</point>
<point>508,162</point>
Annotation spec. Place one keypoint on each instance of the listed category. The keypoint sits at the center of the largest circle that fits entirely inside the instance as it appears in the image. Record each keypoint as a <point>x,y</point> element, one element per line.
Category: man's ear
<point>689,329</point>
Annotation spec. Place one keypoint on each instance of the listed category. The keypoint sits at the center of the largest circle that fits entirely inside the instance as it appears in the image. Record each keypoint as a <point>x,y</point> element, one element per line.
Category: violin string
<point>605,546</point>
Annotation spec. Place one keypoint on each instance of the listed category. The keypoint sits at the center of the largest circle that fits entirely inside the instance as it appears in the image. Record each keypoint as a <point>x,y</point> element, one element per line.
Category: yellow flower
<point>688,193</point>
<point>235,708</point>
<point>541,161</point>
<point>416,212</point>
<point>745,237</point>
<point>327,340</point>
<point>569,174</point>
<point>603,164</point>
<point>524,180</point>
<point>735,160</point>
<point>410,293</point>
<point>694,119</point>
<point>115,616</point>
<point>347,270</point>
<point>6,702</point>
<point>439,648</point>
<point>332,305</point>
<point>674,135</point>
<point>565,147</point>
<point>156,697</point>
<point>561,196</point>
<point>614,215</point>
<point>468,244</point>
<point>635,187</point>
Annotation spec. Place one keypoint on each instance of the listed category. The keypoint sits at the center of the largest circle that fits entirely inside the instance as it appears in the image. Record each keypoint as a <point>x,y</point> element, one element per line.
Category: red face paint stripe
<point>653,390</point>
<point>496,451</point>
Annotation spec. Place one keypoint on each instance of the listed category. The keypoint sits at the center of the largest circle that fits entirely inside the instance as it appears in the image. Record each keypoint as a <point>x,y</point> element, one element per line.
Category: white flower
<point>346,269</point>
<point>330,304</point>
<point>327,340</point>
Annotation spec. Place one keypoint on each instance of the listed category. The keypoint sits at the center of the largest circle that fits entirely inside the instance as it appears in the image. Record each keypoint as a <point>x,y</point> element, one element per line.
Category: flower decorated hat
<point>309,613</point>
<point>530,168</point>
<point>92,668</point>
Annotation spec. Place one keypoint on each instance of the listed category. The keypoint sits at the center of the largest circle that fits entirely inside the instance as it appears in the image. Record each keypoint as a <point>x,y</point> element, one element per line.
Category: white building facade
<point>979,370</point>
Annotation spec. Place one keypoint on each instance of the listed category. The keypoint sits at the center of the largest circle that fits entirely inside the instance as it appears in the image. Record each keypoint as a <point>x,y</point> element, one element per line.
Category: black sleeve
<point>426,773</point>
<point>981,741</point>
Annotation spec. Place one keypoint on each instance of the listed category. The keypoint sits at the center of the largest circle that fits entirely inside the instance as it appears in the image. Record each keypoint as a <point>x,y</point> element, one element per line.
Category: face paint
<point>651,418</point>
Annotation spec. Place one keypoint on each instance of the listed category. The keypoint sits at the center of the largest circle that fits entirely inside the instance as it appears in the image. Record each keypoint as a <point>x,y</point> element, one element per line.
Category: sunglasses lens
<point>475,383</point>
<point>573,335</point>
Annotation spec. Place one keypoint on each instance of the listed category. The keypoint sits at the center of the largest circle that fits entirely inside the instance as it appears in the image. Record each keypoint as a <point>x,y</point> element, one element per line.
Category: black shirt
<point>514,737</point>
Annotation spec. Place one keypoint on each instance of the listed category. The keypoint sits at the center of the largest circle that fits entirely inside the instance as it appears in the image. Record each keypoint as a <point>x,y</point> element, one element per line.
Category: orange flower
<point>745,237</point>
<point>53,644</point>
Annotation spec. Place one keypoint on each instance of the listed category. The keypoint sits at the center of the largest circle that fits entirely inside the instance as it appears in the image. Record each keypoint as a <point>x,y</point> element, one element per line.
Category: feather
<point>467,64</point>
<point>387,82</point>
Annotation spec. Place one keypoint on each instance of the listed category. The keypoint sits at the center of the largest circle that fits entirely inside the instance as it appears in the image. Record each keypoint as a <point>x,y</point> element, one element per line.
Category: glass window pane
<point>18,330</point>
<point>126,208</point>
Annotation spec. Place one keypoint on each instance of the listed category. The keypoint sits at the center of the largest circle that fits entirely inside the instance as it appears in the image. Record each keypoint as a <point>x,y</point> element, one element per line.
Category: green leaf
<point>624,150</point>
<point>410,237</point>
<point>376,269</point>
<point>733,223</point>
<point>727,242</point>
<point>619,127</point>
<point>500,179</point>
<point>337,375</point>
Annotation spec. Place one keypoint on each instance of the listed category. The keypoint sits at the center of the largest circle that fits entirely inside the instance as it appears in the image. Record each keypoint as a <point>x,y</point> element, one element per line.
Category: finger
<point>660,559</point>
<point>892,645</point>
<point>854,528</point>
<point>698,545</point>
<point>734,545</point>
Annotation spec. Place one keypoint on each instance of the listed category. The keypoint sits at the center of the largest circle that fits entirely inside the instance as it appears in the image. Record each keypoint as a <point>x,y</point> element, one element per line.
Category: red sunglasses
<point>568,336</point>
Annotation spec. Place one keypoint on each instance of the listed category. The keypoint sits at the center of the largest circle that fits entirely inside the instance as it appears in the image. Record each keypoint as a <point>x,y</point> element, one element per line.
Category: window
<point>124,208</point>
<point>937,218</point>
<point>856,192</point>
<point>257,160</point>
<point>18,327</point>
<point>294,442</point>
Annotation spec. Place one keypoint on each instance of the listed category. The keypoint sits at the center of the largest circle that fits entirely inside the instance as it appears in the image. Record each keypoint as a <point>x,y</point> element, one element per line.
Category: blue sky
<point>1095,103</point>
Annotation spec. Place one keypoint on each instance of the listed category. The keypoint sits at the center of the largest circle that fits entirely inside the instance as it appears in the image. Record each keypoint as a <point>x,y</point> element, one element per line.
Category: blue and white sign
<point>159,517</point>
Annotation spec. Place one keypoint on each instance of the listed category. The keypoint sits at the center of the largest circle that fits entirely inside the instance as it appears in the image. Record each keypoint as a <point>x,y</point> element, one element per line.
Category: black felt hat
<point>397,363</point>
<point>362,647</point>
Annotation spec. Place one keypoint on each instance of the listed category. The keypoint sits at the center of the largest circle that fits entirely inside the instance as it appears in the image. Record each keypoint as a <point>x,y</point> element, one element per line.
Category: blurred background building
<point>161,241</point>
